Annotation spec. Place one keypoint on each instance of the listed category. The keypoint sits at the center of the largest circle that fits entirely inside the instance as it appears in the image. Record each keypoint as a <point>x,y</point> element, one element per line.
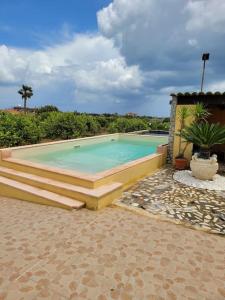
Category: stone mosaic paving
<point>50,253</point>
<point>161,195</point>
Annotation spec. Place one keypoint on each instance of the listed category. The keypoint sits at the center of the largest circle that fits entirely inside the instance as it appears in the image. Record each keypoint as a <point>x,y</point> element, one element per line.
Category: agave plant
<point>204,135</point>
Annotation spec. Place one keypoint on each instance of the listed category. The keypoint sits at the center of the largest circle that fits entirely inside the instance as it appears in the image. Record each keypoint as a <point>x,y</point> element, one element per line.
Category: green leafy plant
<point>46,109</point>
<point>183,113</point>
<point>159,125</point>
<point>127,125</point>
<point>60,125</point>
<point>205,136</point>
<point>49,124</point>
<point>199,113</point>
<point>16,130</point>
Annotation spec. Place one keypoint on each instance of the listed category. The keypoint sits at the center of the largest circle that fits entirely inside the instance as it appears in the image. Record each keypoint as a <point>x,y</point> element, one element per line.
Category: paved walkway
<point>166,198</point>
<point>50,253</point>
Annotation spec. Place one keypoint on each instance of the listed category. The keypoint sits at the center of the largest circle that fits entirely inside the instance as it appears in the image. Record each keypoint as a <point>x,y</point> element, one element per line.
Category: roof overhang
<point>209,98</point>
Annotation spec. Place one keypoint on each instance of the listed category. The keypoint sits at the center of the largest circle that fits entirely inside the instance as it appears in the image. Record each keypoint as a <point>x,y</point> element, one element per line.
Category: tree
<point>46,108</point>
<point>127,125</point>
<point>17,130</point>
<point>26,92</point>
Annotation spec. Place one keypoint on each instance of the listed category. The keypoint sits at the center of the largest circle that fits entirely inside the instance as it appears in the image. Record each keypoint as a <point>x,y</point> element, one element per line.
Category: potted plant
<point>199,113</point>
<point>204,135</point>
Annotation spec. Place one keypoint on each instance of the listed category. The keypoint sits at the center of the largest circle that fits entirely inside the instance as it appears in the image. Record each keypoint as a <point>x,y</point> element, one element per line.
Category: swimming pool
<point>95,157</point>
<point>94,170</point>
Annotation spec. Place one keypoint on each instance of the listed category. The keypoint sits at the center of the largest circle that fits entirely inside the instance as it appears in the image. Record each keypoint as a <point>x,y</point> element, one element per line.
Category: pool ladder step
<point>80,195</point>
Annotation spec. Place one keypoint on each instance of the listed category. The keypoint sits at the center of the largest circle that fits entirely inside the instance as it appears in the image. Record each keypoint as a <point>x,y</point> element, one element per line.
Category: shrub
<point>63,125</point>
<point>25,129</point>
<point>16,130</point>
<point>127,125</point>
<point>46,108</point>
<point>91,124</point>
<point>158,125</point>
<point>103,121</point>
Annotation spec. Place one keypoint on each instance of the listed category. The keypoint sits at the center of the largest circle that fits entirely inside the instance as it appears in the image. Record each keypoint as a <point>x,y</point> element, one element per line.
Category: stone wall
<point>172,129</point>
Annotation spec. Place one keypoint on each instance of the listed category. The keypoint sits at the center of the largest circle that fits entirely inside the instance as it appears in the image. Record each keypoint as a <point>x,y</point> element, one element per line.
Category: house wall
<point>217,115</point>
<point>172,129</point>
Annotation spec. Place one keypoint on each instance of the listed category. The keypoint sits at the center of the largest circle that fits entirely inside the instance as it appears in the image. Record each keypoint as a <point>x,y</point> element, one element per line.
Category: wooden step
<point>18,190</point>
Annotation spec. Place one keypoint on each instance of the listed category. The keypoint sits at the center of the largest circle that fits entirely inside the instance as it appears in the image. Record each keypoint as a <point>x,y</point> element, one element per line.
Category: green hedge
<point>23,129</point>
<point>16,130</point>
<point>127,125</point>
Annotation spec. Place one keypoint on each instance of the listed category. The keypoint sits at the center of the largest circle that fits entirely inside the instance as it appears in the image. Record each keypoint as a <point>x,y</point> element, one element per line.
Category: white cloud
<point>145,49</point>
<point>122,12</point>
<point>166,39</point>
<point>144,29</point>
<point>111,75</point>
<point>11,64</point>
<point>90,63</point>
<point>162,34</point>
<point>218,86</point>
<point>206,15</point>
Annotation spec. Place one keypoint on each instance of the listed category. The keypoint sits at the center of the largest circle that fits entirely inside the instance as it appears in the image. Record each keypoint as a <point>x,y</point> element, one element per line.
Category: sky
<point>109,55</point>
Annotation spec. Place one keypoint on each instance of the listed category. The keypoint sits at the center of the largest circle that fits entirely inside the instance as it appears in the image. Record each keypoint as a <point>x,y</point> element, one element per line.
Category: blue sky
<point>29,23</point>
<point>109,55</point>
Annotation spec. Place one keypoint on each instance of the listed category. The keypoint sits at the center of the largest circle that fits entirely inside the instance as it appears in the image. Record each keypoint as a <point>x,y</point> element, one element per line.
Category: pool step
<point>15,189</point>
<point>94,198</point>
<point>67,176</point>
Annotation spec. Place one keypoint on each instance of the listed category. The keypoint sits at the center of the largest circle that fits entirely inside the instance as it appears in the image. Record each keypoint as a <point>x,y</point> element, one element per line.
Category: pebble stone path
<point>161,195</point>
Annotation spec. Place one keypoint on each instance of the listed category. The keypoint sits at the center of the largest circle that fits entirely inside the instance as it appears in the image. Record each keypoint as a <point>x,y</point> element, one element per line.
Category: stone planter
<point>204,169</point>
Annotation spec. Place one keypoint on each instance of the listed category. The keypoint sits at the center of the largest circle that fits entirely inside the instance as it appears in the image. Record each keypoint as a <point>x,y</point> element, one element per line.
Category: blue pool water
<point>98,157</point>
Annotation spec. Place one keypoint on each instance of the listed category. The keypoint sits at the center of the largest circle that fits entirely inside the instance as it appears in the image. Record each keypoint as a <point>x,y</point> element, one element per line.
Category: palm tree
<point>26,92</point>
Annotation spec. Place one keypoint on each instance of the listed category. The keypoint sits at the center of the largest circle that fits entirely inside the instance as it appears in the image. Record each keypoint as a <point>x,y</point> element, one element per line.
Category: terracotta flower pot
<point>181,163</point>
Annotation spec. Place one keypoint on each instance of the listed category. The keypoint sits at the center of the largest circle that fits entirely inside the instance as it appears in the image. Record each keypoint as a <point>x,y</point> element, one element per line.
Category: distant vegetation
<point>46,108</point>
<point>48,123</point>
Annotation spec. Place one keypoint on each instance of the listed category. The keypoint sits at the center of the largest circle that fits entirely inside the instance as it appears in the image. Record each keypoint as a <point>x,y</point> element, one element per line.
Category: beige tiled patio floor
<point>49,253</point>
